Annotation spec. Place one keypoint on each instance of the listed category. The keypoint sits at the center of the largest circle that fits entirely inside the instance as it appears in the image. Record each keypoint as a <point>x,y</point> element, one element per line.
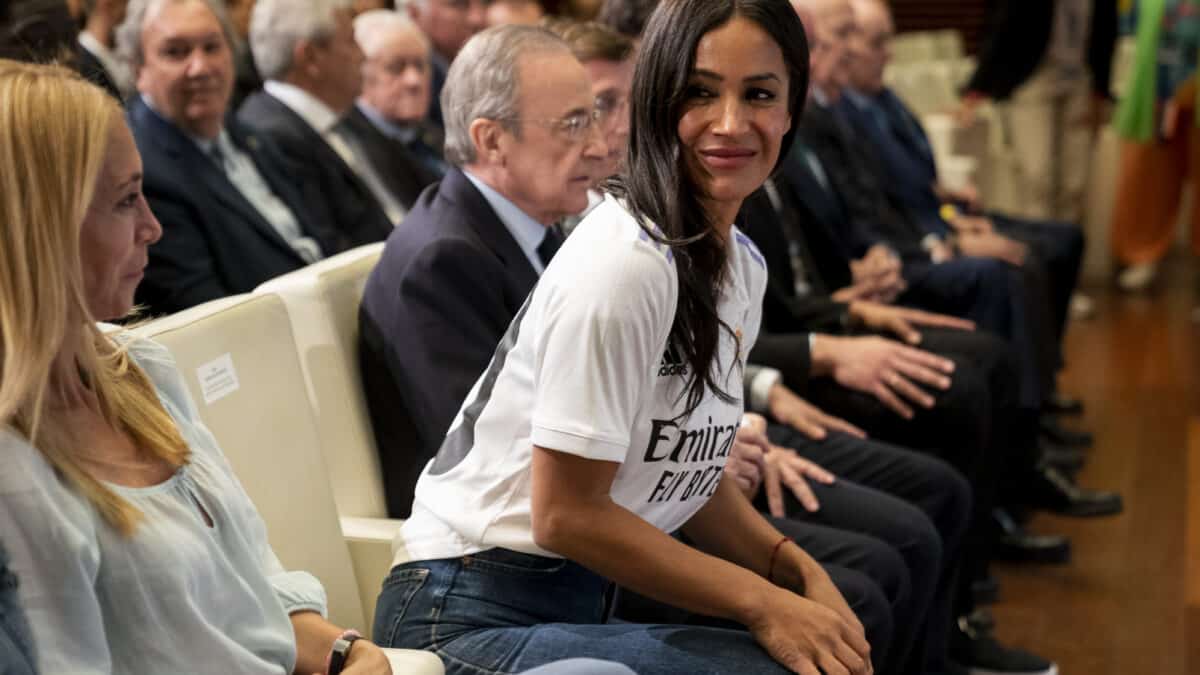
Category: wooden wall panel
<point>964,15</point>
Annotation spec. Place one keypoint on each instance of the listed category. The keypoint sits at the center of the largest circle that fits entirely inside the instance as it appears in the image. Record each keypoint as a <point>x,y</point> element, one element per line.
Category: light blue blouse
<point>177,597</point>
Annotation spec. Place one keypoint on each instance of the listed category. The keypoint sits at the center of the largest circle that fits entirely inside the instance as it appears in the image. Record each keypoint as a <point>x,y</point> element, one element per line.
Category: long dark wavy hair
<point>657,186</point>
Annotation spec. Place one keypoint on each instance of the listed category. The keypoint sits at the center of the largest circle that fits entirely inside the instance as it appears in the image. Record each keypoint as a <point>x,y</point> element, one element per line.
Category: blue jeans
<point>16,642</point>
<point>500,611</point>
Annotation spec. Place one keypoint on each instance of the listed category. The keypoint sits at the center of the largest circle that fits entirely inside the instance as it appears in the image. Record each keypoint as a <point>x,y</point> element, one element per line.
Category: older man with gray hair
<point>388,119</point>
<point>305,52</point>
<point>232,216</point>
<point>449,24</point>
<point>521,137</point>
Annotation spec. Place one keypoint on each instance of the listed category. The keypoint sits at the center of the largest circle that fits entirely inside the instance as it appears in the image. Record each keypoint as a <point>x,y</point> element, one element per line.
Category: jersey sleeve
<point>603,327</point>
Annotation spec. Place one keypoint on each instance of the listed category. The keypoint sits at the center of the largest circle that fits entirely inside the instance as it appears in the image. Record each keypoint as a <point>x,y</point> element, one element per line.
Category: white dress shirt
<point>117,71</point>
<point>528,232</point>
<point>240,169</point>
<point>324,121</point>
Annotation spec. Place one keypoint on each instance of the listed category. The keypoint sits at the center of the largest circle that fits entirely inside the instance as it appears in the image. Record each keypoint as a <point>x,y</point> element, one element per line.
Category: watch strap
<point>341,652</point>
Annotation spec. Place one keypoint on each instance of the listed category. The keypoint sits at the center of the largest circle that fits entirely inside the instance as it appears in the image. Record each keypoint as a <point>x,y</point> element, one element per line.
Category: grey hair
<point>373,28</point>
<point>482,82</point>
<point>129,33</point>
<point>277,25</point>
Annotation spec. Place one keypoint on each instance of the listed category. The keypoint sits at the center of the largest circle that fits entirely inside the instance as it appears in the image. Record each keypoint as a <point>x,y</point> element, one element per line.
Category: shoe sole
<point>1096,511</point>
<point>1052,670</point>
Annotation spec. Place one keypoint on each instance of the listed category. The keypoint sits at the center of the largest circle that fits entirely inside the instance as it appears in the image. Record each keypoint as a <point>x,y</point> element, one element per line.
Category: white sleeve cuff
<point>606,450</point>
<point>760,389</point>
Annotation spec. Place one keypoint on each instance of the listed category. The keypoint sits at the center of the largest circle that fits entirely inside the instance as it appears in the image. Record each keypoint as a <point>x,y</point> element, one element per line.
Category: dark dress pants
<point>1061,247</point>
<point>895,495</point>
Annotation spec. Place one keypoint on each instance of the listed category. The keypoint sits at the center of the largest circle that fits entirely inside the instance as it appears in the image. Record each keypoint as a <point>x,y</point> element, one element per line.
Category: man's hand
<point>746,464</point>
<point>889,371</point>
<point>789,409</point>
<point>993,246</point>
<point>900,321</point>
<point>968,110</point>
<point>785,467</point>
<point>877,276</point>
<point>968,225</point>
<point>1097,115</point>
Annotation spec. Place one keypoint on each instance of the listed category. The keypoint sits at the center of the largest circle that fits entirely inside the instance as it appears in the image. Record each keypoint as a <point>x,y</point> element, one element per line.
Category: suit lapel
<point>458,189</point>
<point>191,162</point>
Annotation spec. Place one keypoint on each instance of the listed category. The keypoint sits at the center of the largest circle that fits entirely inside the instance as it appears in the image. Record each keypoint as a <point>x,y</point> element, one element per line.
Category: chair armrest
<point>414,662</point>
<point>370,544</point>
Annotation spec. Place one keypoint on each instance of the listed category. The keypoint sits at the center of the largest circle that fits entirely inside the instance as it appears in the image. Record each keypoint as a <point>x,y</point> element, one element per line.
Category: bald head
<point>870,45</point>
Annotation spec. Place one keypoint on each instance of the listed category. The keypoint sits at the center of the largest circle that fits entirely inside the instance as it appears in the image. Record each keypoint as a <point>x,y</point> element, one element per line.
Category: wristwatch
<point>341,651</point>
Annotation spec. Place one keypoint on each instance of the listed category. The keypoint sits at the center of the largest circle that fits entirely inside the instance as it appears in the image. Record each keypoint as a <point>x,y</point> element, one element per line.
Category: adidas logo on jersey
<point>672,363</point>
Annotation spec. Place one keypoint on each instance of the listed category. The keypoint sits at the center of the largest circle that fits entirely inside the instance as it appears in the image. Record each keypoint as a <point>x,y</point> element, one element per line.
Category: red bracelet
<point>774,554</point>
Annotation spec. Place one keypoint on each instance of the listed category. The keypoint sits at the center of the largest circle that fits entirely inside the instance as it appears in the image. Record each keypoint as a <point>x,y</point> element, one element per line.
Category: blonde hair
<point>54,135</point>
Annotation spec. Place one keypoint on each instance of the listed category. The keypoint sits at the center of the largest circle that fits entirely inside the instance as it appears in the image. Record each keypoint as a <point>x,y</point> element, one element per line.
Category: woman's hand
<point>804,636</point>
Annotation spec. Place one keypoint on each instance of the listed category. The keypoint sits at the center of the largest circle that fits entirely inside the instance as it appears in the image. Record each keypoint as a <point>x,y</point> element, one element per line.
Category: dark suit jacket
<point>352,208</point>
<point>405,175</point>
<point>907,168</point>
<point>214,242</point>
<point>94,71</point>
<point>1017,35</point>
<point>788,318</point>
<point>853,172</point>
<point>449,282</point>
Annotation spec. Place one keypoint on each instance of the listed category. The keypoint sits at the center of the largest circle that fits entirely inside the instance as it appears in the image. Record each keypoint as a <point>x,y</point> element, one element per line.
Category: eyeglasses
<point>608,105</point>
<point>573,127</point>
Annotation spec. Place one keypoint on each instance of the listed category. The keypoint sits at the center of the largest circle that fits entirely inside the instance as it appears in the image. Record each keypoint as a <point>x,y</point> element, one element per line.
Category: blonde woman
<point>137,549</point>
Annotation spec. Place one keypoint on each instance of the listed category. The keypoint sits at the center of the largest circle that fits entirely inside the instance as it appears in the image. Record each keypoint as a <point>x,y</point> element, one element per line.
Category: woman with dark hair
<point>608,411</point>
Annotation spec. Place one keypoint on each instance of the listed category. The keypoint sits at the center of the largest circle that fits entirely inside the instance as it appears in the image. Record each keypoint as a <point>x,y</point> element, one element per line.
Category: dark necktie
<point>550,244</point>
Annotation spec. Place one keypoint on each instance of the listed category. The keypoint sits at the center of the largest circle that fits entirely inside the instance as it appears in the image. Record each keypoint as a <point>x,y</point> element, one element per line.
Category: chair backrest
<point>322,301</point>
<point>236,357</point>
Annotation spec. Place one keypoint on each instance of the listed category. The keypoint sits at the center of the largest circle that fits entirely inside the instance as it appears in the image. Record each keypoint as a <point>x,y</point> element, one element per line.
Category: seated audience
<point>232,215</point>
<point>524,151</point>
<point>549,482</point>
<point>388,120</point>
<point>523,12</point>
<point>137,549</point>
<point>313,71</point>
<point>113,538</point>
<point>98,60</point>
<point>448,24</point>
<point>16,642</point>
<point>907,162</point>
<point>880,488</point>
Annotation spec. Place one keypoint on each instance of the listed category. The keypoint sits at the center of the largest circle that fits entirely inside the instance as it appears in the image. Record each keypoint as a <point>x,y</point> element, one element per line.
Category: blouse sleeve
<point>604,326</point>
<point>51,538</point>
<point>297,591</point>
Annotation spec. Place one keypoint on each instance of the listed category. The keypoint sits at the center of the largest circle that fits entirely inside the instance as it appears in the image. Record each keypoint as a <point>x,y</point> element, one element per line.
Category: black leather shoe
<point>1068,460</point>
<point>1061,404</point>
<point>985,591</point>
<point>1054,432</point>
<point>1015,544</point>
<point>973,645</point>
<point>1053,491</point>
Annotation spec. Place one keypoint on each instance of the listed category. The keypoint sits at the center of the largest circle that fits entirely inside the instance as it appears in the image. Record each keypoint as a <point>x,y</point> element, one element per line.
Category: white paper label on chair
<point>217,378</point>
